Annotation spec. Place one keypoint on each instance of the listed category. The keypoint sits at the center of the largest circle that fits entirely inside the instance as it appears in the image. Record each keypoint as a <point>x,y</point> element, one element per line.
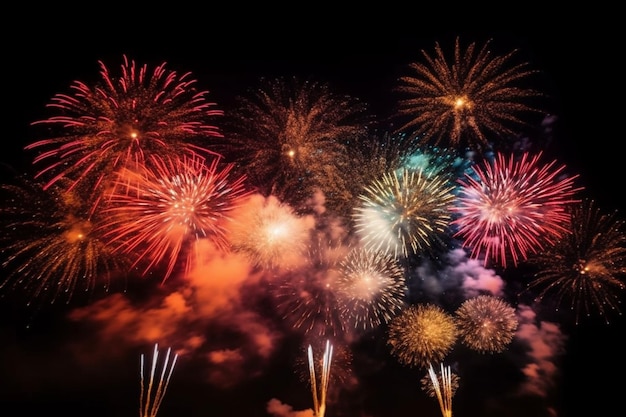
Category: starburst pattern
<point>422,334</point>
<point>404,213</point>
<point>475,98</point>
<point>50,247</point>
<point>371,287</point>
<point>169,205</point>
<point>291,136</point>
<point>587,266</point>
<point>486,323</point>
<point>121,120</point>
<point>513,208</point>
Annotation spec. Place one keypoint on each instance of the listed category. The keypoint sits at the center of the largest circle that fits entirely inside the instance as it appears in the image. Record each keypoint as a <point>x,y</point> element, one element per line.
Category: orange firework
<point>486,323</point>
<point>422,334</point>
<point>466,102</point>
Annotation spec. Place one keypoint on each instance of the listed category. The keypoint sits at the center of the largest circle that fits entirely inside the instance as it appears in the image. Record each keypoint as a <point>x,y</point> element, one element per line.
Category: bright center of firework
<point>461,102</point>
<point>366,286</point>
<point>76,234</point>
<point>497,211</point>
<point>183,211</point>
<point>291,153</point>
<point>276,232</point>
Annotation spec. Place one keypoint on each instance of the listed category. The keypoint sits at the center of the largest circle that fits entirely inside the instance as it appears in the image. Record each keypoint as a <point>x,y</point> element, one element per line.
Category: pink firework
<point>168,204</point>
<point>120,121</point>
<point>511,208</point>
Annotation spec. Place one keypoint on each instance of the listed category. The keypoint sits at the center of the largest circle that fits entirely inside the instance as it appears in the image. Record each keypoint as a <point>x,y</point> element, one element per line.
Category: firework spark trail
<point>342,361</point>
<point>151,397</point>
<point>463,103</point>
<point>319,397</point>
<point>513,208</point>
<point>431,389</point>
<point>445,390</point>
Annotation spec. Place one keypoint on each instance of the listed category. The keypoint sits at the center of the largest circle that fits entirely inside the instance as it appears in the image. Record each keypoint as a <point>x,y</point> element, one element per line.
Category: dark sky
<point>84,359</point>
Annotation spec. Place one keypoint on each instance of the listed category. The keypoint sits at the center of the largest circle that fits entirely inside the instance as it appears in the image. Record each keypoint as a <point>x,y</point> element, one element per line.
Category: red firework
<point>121,121</point>
<point>161,210</point>
<point>510,208</point>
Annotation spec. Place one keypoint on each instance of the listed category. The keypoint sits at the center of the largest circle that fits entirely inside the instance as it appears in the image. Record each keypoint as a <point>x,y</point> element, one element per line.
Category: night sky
<point>83,358</point>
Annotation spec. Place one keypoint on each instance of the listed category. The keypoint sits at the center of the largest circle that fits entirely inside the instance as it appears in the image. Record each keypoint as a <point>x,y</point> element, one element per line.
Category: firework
<point>169,205</point>
<point>308,297</point>
<point>514,207</point>
<point>404,213</point>
<point>291,136</point>
<point>270,234</point>
<point>378,154</point>
<point>443,386</point>
<point>371,287</point>
<point>587,266</point>
<point>342,361</point>
<point>436,161</point>
<point>152,395</point>
<point>121,120</point>
<point>50,247</point>
<point>430,387</point>
<point>422,334</point>
<point>476,98</point>
<point>319,394</point>
<point>486,323</point>
<point>386,152</point>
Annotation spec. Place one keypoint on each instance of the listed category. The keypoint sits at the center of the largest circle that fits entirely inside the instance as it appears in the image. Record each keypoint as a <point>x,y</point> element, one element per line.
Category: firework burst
<point>308,297</point>
<point>291,136</point>
<point>404,213</point>
<point>121,120</point>
<point>270,234</point>
<point>50,248</point>
<point>513,208</point>
<point>371,287</point>
<point>486,323</point>
<point>437,161</point>
<point>422,334</point>
<point>169,205</point>
<point>587,266</point>
<point>377,154</point>
<point>476,98</point>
